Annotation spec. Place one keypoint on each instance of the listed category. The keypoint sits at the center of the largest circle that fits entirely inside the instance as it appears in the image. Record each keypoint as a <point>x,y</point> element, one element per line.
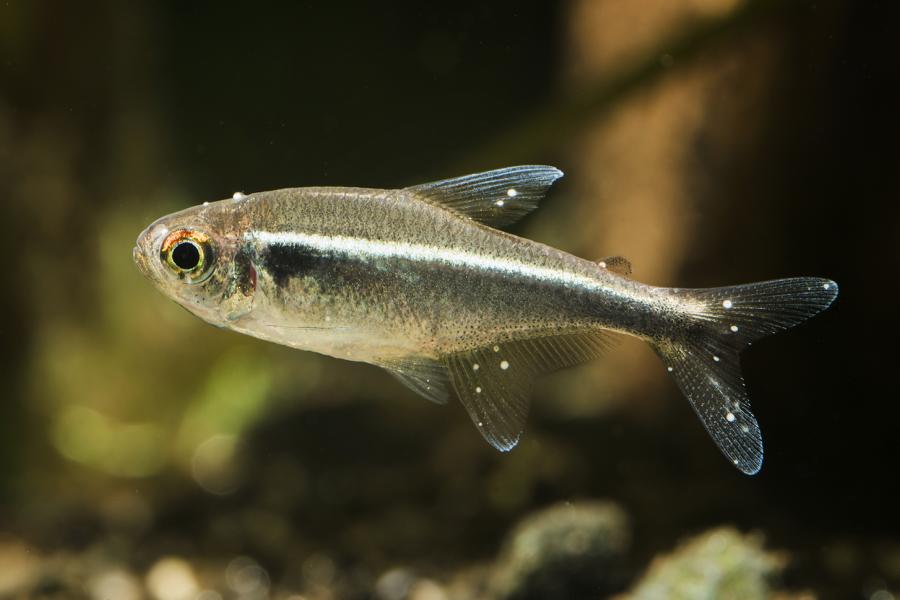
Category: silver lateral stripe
<point>355,247</point>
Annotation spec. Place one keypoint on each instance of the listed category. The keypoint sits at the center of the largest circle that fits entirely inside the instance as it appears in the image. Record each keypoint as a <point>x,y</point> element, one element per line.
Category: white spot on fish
<point>512,193</point>
<point>504,365</point>
<point>480,424</point>
<point>499,203</point>
<point>727,303</point>
<point>327,318</point>
<point>827,286</point>
<point>729,417</point>
<point>602,264</point>
<point>476,366</point>
<point>735,461</point>
<point>669,369</point>
<point>716,358</point>
<point>238,196</point>
<point>206,204</point>
<point>478,390</point>
<point>496,348</point>
<point>734,328</point>
<point>745,429</point>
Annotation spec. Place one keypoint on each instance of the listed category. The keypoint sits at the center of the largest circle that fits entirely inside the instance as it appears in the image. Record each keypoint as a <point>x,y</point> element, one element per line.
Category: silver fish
<point>418,281</point>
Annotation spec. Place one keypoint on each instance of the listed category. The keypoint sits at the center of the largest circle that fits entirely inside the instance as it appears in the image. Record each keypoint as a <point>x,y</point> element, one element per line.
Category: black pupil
<point>186,256</point>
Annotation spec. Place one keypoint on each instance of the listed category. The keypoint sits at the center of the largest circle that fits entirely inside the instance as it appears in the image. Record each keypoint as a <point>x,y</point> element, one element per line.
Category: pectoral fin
<point>494,383</point>
<point>495,198</point>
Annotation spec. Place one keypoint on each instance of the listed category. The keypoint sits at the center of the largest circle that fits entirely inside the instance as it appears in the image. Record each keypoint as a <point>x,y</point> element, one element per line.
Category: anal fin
<point>494,382</point>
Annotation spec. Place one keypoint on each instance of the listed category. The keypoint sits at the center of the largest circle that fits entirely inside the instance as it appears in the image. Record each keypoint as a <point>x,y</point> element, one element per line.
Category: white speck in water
<point>716,358</point>
<point>504,365</point>
<point>734,328</point>
<point>496,348</point>
<point>478,390</point>
<point>602,264</point>
<point>729,417</point>
<point>727,303</point>
<point>237,196</point>
<point>669,369</point>
<point>206,204</point>
<point>512,193</point>
<point>499,203</point>
<point>476,366</point>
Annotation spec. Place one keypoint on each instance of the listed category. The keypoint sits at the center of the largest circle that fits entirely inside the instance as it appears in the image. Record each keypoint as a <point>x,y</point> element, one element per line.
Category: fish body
<point>420,282</point>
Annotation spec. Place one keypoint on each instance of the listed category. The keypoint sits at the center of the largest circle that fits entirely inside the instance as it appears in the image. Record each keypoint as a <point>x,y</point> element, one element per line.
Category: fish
<point>422,282</point>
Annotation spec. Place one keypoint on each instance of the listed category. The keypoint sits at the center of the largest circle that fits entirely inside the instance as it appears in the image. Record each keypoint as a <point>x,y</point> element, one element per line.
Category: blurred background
<point>144,454</point>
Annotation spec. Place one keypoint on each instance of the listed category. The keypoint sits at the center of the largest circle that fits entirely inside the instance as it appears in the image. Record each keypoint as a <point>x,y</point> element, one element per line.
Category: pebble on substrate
<point>547,547</point>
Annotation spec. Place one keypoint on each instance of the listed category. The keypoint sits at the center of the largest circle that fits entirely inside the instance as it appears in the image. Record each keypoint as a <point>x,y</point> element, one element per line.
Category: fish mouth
<point>147,243</point>
<point>141,261</point>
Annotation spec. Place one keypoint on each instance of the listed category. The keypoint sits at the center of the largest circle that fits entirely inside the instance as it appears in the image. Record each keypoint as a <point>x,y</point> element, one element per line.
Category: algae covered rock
<point>722,563</point>
<point>568,550</point>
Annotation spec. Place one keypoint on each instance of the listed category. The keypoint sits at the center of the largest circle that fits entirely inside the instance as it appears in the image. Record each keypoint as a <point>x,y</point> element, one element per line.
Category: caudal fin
<point>704,357</point>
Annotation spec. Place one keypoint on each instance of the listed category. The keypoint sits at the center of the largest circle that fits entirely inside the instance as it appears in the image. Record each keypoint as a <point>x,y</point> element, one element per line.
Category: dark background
<point>112,114</point>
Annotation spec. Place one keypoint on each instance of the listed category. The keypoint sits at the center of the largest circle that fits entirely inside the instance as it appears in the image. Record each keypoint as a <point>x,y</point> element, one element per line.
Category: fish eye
<point>188,254</point>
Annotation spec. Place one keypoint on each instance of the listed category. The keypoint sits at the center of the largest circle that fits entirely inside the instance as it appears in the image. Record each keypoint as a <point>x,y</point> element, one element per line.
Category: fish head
<point>194,257</point>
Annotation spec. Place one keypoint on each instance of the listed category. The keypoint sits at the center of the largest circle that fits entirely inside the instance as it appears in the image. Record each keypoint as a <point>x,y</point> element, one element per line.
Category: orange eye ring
<point>188,254</point>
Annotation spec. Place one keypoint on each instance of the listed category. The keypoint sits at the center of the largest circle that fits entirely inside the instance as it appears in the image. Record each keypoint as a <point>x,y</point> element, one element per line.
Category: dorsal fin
<point>616,264</point>
<point>495,198</point>
<point>494,383</point>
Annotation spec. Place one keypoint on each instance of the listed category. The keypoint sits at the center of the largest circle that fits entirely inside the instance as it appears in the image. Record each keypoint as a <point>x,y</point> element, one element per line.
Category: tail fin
<point>704,358</point>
